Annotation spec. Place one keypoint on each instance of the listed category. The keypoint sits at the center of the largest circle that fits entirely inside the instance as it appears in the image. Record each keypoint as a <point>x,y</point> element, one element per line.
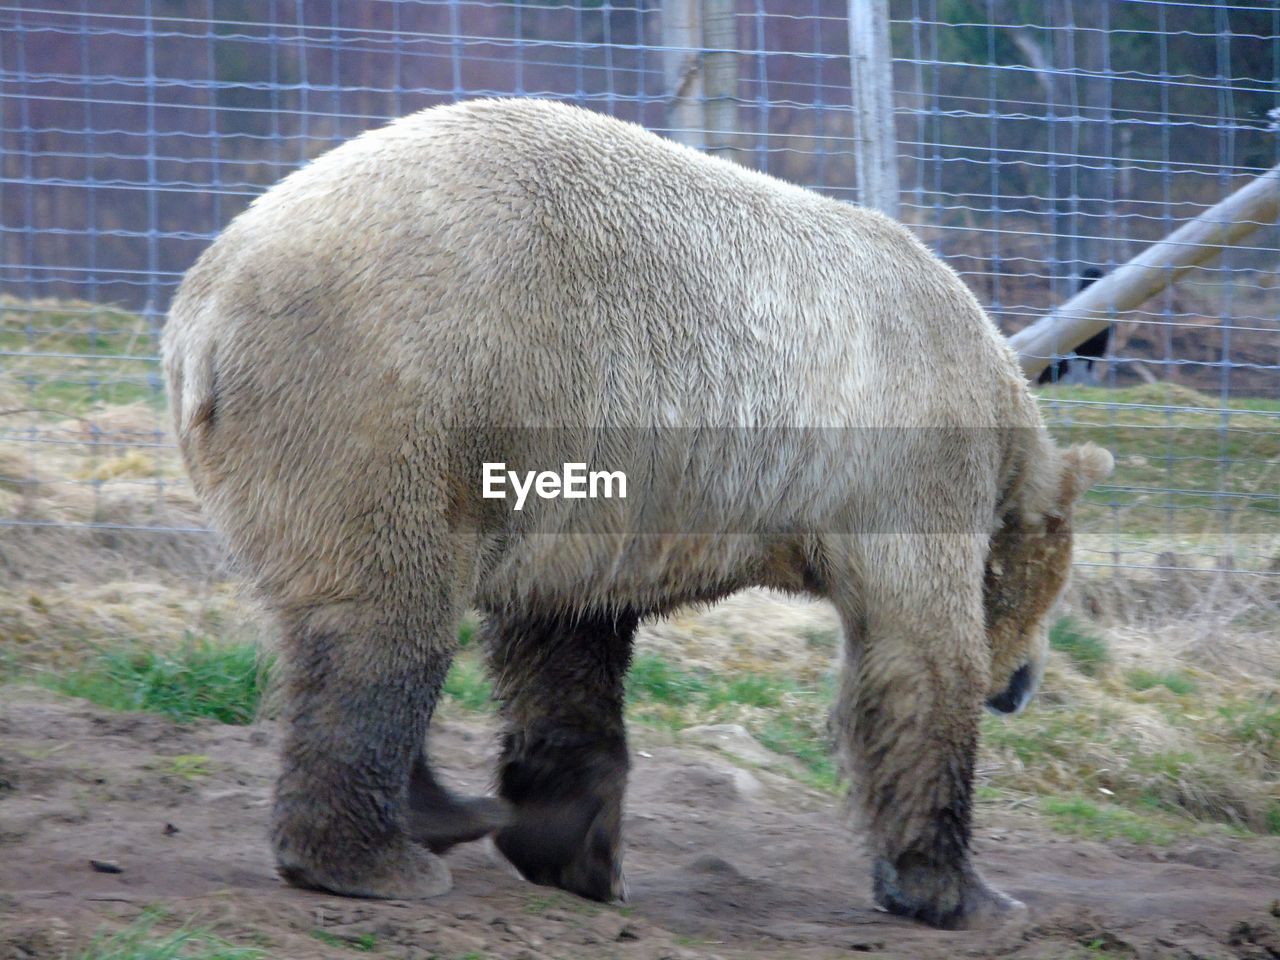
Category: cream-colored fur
<point>419,300</point>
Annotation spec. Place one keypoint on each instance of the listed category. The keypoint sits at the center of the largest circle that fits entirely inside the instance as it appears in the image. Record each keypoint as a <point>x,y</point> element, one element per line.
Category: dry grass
<point>1177,727</point>
<point>1158,731</point>
<point>91,488</point>
<point>101,540</point>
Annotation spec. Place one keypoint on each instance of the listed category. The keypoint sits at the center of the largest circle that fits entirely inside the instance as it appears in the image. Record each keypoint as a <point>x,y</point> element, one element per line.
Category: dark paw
<point>950,898</point>
<point>566,785</point>
<point>575,847</point>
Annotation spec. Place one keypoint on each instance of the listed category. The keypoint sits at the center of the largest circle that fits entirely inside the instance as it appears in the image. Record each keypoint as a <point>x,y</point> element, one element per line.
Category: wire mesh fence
<point>1039,145</point>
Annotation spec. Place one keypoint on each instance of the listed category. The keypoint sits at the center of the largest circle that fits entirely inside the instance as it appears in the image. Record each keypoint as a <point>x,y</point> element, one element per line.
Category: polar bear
<point>526,283</point>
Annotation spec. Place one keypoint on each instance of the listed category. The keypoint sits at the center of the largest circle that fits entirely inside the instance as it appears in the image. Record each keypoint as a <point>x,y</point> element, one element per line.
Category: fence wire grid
<point>1038,144</point>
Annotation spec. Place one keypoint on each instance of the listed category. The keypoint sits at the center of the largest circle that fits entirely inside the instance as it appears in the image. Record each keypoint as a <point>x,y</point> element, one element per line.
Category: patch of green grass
<point>140,941</point>
<point>671,696</point>
<point>1273,817</point>
<point>1255,724</point>
<point>1088,652</point>
<point>1084,818</point>
<point>189,766</point>
<point>1168,438</point>
<point>1177,683</point>
<point>73,356</point>
<point>794,738</point>
<point>539,903</point>
<point>654,679</point>
<point>200,679</point>
<point>71,398</point>
<point>688,940</point>
<point>361,942</point>
<point>9,669</point>
<point>1043,735</point>
<point>1171,764</point>
<point>1103,948</point>
<point>751,690</point>
<point>468,684</point>
<point>467,630</point>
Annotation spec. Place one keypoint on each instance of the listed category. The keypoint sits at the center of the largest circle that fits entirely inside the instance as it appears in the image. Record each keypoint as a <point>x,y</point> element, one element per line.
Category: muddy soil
<point>725,858</point>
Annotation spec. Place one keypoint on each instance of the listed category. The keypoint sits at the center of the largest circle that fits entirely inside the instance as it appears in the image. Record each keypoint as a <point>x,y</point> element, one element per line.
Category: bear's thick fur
<point>527,282</point>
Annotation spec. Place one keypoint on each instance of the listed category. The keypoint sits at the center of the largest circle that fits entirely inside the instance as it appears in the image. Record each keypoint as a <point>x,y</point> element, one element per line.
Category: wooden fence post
<point>720,38</point>
<point>683,70</point>
<point>876,140</point>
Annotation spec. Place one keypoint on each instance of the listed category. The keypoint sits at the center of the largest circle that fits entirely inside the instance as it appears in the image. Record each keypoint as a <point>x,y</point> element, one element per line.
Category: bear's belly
<point>647,573</point>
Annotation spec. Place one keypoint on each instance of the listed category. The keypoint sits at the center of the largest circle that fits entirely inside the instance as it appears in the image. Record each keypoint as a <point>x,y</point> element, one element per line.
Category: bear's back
<point>556,265</point>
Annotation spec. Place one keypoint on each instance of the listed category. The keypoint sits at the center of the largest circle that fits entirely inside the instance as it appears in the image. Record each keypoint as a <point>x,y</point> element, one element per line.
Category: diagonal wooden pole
<point>1255,205</point>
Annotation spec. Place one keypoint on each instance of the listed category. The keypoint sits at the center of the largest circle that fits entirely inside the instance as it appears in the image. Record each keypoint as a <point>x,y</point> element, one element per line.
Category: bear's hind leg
<point>360,685</point>
<point>564,753</point>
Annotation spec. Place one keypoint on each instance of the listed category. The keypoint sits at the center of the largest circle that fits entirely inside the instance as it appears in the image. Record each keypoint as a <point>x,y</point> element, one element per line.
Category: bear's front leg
<point>564,753</point>
<point>358,694</point>
<point>908,721</point>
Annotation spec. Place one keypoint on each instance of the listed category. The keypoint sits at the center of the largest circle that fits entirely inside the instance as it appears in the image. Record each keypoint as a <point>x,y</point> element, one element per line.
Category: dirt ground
<point>725,858</point>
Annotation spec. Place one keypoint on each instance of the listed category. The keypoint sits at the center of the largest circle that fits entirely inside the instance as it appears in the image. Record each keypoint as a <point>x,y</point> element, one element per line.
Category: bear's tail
<point>190,367</point>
